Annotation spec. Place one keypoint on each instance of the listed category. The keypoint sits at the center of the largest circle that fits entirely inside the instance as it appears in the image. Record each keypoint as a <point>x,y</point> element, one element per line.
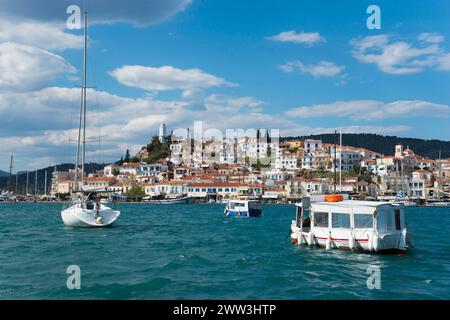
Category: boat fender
<point>311,238</point>
<point>376,242</point>
<point>329,242</point>
<point>402,243</point>
<point>351,241</point>
<point>370,241</point>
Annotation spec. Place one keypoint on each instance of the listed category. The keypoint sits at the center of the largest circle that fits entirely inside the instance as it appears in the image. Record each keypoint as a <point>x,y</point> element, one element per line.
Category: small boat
<point>243,208</point>
<point>334,222</point>
<point>87,211</point>
<point>180,200</point>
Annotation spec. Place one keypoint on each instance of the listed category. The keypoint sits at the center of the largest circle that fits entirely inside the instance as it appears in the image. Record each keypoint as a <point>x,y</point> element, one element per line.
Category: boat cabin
<point>243,208</point>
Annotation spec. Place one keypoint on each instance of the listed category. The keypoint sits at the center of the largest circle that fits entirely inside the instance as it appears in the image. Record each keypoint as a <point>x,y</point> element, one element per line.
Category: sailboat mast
<point>340,159</point>
<point>10,188</point>
<point>85,94</point>
<point>35,182</point>
<point>81,142</point>
<point>45,183</point>
<point>439,176</point>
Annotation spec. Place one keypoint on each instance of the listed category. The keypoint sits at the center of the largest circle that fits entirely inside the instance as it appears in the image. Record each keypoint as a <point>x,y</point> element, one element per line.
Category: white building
<point>155,170</point>
<point>110,169</point>
<point>312,150</point>
<point>166,188</point>
<point>286,160</point>
<point>162,133</point>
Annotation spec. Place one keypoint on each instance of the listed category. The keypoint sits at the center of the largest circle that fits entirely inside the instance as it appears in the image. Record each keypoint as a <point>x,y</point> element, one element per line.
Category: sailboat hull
<point>75,216</point>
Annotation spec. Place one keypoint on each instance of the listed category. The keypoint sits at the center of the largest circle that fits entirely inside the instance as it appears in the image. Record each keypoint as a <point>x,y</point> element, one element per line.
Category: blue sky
<point>304,67</point>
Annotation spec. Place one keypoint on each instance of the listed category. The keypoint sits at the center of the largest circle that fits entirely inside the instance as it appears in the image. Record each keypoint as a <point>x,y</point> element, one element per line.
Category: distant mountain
<point>386,144</point>
<point>3,173</point>
<point>22,178</point>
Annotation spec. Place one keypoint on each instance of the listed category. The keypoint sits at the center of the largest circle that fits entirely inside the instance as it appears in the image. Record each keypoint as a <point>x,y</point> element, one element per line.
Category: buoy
<point>311,238</point>
<point>351,241</point>
<point>328,244</point>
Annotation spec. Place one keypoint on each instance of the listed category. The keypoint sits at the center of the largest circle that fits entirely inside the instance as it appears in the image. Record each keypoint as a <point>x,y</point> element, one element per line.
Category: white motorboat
<point>85,208</point>
<point>334,222</point>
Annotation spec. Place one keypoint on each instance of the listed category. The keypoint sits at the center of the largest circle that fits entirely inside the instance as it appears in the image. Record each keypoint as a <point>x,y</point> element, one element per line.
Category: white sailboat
<point>85,209</point>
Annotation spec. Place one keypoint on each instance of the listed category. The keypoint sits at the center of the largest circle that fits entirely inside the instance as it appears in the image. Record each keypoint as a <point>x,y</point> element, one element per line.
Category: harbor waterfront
<point>194,252</point>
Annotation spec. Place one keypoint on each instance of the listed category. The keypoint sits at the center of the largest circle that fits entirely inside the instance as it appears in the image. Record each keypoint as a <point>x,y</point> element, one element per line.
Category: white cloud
<point>400,57</point>
<point>49,36</point>
<point>221,103</point>
<point>166,78</point>
<point>431,37</point>
<point>139,12</point>
<point>309,38</point>
<point>25,68</point>
<point>321,69</point>
<point>372,110</point>
<point>444,62</point>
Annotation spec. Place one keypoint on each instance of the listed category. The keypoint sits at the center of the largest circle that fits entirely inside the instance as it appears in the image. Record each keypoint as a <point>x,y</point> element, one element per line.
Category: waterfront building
<point>129,168</point>
<point>95,183</point>
<point>121,187</point>
<point>166,188</point>
<point>155,170</point>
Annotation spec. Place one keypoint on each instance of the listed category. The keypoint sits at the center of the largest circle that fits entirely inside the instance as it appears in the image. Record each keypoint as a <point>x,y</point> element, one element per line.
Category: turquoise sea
<point>194,252</point>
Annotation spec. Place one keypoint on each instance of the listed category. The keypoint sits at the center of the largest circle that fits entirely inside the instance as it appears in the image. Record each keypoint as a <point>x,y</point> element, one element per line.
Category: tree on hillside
<point>157,150</point>
<point>127,157</point>
<point>136,193</point>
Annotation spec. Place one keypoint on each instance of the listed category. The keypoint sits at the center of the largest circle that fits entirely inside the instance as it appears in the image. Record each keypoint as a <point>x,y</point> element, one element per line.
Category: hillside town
<point>259,166</point>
